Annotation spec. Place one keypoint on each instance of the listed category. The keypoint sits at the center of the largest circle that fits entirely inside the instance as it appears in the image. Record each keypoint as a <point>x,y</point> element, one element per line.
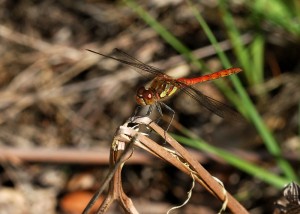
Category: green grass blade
<point>257,54</point>
<point>269,140</point>
<point>226,63</point>
<point>280,13</point>
<point>165,34</point>
<point>235,161</point>
<point>240,51</point>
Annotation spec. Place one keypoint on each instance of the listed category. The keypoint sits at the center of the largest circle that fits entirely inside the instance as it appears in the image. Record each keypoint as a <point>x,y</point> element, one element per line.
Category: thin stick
<point>110,175</point>
<point>185,162</point>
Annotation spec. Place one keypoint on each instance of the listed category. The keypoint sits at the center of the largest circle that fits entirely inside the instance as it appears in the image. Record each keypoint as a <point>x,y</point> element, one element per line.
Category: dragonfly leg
<point>158,108</point>
<point>136,111</point>
<point>172,117</point>
<point>150,110</point>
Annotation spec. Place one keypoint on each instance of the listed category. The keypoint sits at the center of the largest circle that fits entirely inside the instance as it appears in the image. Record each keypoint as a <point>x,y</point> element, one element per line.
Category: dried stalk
<point>128,136</point>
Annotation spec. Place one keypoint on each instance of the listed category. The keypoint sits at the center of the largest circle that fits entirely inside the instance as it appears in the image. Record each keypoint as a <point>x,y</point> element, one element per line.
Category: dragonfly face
<point>158,90</point>
<point>145,96</point>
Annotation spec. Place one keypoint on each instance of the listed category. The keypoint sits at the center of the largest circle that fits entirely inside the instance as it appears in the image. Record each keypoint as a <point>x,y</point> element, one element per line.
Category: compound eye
<point>144,96</point>
<point>147,95</point>
<point>140,92</point>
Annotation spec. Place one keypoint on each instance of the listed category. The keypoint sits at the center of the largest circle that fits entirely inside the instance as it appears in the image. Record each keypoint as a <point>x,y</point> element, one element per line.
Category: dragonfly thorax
<point>145,96</point>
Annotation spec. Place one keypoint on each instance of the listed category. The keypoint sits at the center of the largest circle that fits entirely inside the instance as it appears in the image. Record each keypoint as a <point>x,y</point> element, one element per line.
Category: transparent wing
<point>125,58</point>
<point>211,104</point>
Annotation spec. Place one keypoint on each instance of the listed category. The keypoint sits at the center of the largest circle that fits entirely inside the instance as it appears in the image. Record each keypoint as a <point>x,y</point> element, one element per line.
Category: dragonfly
<point>164,86</point>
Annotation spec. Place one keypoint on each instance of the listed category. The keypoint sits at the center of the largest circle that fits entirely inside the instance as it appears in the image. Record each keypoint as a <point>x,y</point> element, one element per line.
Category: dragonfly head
<point>145,96</point>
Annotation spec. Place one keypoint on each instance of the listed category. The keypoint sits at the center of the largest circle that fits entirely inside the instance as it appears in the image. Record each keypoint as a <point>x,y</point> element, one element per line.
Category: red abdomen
<point>216,75</point>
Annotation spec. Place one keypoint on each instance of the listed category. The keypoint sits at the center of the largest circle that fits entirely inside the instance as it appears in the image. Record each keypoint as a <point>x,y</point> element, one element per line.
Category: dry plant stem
<point>69,156</point>
<point>115,192</point>
<point>180,158</point>
<point>187,164</point>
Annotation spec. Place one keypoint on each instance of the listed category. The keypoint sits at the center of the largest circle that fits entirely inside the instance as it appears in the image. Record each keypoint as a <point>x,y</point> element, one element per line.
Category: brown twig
<point>186,163</point>
<point>79,156</point>
<point>209,182</point>
<point>180,158</point>
<point>118,154</point>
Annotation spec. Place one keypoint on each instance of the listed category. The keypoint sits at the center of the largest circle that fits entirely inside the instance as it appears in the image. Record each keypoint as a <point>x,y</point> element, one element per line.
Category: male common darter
<point>164,86</point>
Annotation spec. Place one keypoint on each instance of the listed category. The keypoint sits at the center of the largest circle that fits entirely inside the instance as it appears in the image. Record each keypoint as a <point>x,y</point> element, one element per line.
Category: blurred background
<point>60,105</point>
